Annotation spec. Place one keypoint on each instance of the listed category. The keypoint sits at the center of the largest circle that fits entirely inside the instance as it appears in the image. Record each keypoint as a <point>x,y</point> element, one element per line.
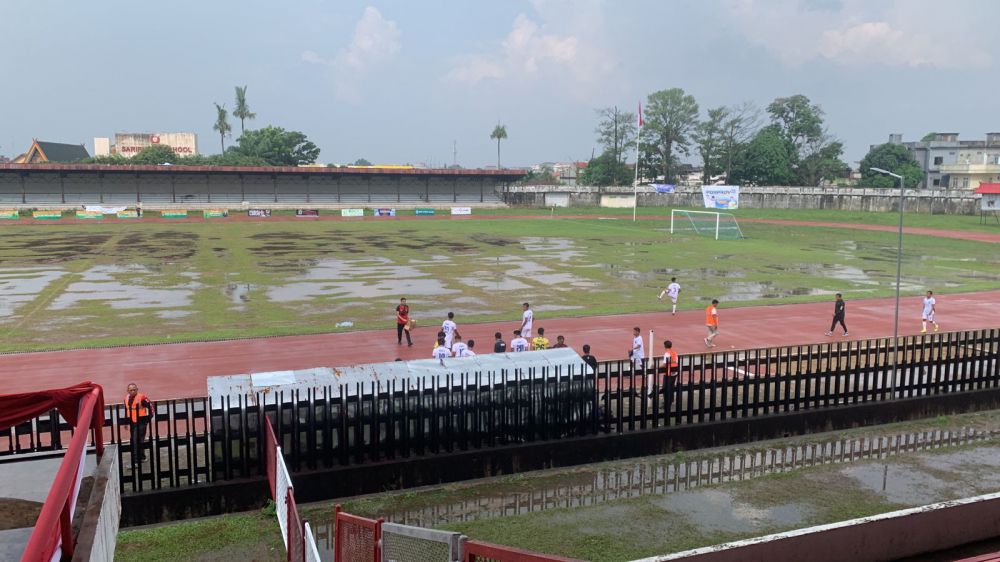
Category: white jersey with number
<point>526,320</point>
<point>673,290</point>
<point>467,353</point>
<point>929,303</point>
<point>518,344</point>
<point>440,352</point>
<point>458,348</point>
<point>638,350</point>
<point>448,327</point>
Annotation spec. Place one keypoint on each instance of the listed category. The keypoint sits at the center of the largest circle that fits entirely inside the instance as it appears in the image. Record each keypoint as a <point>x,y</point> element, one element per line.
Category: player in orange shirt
<point>712,322</point>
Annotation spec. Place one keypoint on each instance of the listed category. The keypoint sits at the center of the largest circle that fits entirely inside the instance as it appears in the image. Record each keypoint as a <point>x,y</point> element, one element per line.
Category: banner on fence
<point>721,196</point>
<point>307,212</point>
<point>89,215</point>
<point>128,214</point>
<point>424,212</point>
<point>385,212</point>
<point>9,214</point>
<point>664,187</point>
<point>461,210</point>
<point>259,213</point>
<point>352,212</point>
<point>47,215</point>
<point>215,213</point>
<point>104,210</point>
<point>174,214</point>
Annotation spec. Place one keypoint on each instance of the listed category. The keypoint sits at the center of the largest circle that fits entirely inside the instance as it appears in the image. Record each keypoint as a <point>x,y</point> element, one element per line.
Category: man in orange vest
<point>712,322</point>
<point>138,411</point>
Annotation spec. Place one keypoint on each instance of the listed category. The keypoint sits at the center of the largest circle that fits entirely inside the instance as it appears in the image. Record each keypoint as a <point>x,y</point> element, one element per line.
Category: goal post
<point>721,226</point>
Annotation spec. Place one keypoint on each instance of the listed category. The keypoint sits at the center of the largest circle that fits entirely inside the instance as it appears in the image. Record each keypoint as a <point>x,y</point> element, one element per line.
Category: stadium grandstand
<point>57,186</point>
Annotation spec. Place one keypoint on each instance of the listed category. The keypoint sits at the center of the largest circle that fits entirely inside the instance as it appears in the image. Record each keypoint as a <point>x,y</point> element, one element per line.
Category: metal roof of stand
<point>419,373</point>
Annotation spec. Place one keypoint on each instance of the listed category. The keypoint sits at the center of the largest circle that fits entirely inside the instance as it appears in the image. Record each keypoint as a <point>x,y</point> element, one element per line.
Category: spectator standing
<point>839,313</point>
<point>527,317</point>
<point>560,342</point>
<point>540,342</point>
<point>403,322</point>
<point>138,411</point>
<point>499,346</point>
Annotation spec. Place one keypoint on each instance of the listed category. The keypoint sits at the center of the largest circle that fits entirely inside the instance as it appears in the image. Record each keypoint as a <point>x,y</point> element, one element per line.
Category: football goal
<point>721,226</point>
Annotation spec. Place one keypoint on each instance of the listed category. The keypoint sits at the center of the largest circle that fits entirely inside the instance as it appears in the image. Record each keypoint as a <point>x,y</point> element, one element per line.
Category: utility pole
<point>454,152</point>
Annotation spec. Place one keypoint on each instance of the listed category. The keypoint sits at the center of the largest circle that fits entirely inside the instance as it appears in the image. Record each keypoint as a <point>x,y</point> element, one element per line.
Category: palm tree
<point>499,133</point>
<point>222,124</point>
<point>242,110</point>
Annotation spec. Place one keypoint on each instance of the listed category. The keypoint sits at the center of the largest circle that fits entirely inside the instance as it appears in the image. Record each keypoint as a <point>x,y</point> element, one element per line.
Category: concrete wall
<point>949,202</point>
<point>99,529</point>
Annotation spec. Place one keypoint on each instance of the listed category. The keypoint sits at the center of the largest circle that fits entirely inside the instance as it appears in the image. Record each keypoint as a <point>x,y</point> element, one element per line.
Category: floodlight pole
<point>899,268</point>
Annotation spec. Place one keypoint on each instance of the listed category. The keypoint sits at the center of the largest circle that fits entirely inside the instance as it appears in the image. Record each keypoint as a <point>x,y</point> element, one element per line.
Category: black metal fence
<point>201,440</point>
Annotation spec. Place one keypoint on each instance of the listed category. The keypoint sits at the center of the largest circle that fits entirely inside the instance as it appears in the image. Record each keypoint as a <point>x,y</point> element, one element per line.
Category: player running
<point>712,322</point>
<point>928,315</point>
<point>673,290</point>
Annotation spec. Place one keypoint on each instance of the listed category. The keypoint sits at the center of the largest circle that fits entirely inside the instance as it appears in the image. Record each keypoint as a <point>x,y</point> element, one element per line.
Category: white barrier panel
<point>282,483</point>
<point>402,543</point>
<point>461,210</point>
<point>312,552</point>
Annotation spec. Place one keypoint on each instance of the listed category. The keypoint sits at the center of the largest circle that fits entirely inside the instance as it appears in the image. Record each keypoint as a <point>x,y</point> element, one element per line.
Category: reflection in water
<point>21,285</point>
<point>659,476</point>
<point>100,283</point>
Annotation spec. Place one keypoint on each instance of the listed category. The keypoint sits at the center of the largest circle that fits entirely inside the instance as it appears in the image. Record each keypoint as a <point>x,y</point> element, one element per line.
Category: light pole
<point>899,268</point>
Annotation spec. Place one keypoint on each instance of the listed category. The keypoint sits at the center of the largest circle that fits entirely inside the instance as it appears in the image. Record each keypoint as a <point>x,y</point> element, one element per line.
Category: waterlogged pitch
<point>102,284</point>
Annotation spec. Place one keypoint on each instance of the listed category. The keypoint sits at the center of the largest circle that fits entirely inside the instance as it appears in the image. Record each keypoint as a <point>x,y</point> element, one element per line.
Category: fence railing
<point>198,440</point>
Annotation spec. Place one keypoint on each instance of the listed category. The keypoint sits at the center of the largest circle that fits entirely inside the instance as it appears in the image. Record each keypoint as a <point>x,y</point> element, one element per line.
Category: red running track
<point>180,370</point>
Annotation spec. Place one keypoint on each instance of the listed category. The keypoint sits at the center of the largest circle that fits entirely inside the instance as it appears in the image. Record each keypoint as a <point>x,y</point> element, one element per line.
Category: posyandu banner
<point>214,213</point>
<point>174,214</point>
<point>90,215</point>
<point>9,214</point>
<point>127,214</point>
<point>47,215</point>
<point>721,196</point>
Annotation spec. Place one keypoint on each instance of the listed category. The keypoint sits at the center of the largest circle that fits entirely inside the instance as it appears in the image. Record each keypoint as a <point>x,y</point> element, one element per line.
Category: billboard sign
<point>307,212</point>
<point>259,213</point>
<point>352,212</point>
<point>385,212</point>
<point>721,196</point>
<point>461,210</point>
<point>130,144</point>
<point>424,212</point>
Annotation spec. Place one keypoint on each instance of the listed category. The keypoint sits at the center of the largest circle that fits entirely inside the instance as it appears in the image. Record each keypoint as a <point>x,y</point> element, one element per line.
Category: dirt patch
<point>15,513</point>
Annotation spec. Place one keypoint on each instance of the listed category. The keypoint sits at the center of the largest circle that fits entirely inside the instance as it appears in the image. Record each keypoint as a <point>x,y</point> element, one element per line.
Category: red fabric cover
<point>18,408</point>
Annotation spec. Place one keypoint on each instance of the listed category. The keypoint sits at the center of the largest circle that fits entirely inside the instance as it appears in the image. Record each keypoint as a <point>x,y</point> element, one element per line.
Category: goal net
<point>721,226</point>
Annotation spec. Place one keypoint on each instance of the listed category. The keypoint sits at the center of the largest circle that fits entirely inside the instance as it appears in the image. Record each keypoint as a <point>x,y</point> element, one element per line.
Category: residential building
<point>41,152</point>
<point>949,163</point>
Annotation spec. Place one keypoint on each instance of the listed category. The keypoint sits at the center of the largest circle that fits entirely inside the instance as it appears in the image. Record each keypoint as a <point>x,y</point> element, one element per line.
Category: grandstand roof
<point>506,174</point>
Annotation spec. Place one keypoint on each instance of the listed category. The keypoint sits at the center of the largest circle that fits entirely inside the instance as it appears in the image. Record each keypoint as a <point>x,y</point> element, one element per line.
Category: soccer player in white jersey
<point>928,315</point>
<point>673,290</point>
<point>638,353</point>
<point>449,328</point>
<point>518,344</point>
<point>467,352</point>
<point>526,320</point>
<point>441,351</point>
<point>458,347</point>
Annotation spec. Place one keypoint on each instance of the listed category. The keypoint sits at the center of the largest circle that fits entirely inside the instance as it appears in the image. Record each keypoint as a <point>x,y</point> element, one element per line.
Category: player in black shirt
<point>588,358</point>
<point>499,346</point>
<point>839,313</point>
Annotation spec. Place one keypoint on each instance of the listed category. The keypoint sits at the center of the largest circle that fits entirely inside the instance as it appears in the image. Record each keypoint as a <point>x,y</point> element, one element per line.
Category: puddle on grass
<point>357,279</point>
<point>102,283</point>
<point>239,294</point>
<point>680,485</point>
<point>21,285</point>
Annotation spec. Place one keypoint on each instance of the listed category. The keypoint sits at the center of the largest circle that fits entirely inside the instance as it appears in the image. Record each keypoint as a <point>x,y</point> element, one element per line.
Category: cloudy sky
<point>401,81</point>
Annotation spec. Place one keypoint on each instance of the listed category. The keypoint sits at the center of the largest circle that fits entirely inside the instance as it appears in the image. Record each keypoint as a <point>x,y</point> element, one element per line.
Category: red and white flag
<point>640,115</point>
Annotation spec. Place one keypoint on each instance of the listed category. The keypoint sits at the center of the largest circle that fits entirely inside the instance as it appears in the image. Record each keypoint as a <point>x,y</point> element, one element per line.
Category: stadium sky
<point>399,81</point>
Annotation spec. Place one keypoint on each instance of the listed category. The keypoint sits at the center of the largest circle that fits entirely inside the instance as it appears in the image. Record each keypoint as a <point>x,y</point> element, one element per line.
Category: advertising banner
<point>130,144</point>
<point>307,212</point>
<point>424,212</point>
<point>259,213</point>
<point>47,215</point>
<point>89,215</point>
<point>385,212</point>
<point>9,214</point>
<point>665,187</point>
<point>103,210</point>
<point>461,210</point>
<point>721,196</point>
<point>174,214</point>
<point>127,214</point>
<point>352,212</point>
<point>215,213</point>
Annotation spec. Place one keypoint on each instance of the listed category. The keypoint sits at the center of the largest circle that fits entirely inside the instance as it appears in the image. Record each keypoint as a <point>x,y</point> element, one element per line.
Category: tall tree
<point>708,134</point>
<point>605,170</point>
<point>499,133</point>
<point>815,151</point>
<point>741,124</point>
<point>222,124</point>
<point>894,158</point>
<point>242,110</point>
<point>670,118</point>
<point>277,146</point>
<point>615,131</point>
<point>766,160</point>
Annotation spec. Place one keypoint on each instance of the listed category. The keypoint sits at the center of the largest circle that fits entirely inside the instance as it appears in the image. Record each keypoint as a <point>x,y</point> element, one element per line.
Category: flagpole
<point>635,181</point>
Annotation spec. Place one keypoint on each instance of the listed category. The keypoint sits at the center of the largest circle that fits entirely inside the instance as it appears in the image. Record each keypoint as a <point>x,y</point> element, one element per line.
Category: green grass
<point>479,269</point>
<point>246,536</point>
